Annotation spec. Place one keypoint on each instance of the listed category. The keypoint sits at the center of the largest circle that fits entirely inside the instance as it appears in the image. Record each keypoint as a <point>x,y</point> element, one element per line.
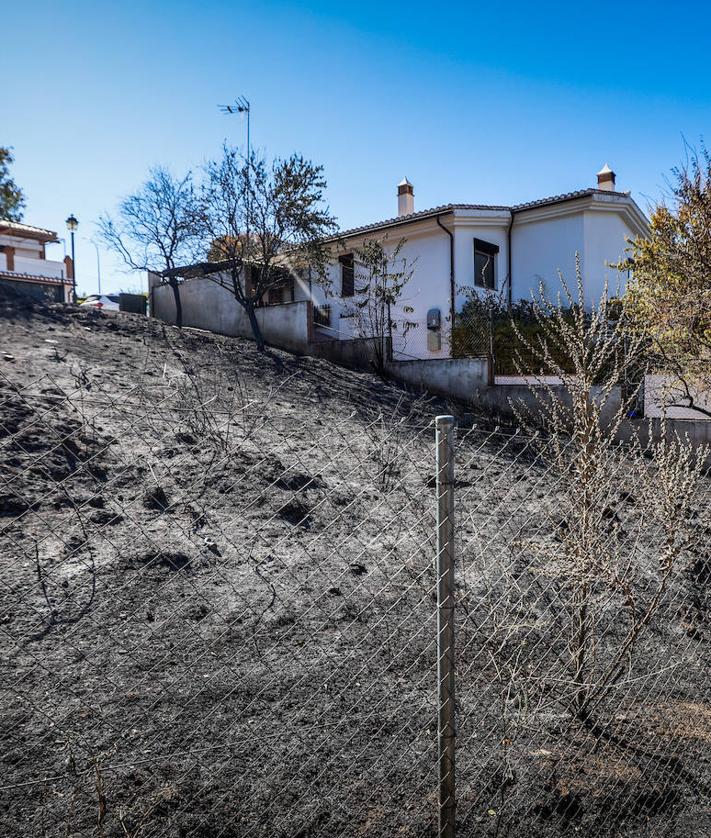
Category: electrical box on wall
<point>434,330</point>
<point>434,319</point>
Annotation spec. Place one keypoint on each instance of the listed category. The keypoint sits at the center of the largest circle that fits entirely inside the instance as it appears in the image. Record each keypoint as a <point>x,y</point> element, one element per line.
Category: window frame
<point>484,248</point>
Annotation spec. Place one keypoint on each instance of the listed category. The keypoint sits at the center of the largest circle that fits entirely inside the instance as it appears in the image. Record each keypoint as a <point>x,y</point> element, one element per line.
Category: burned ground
<point>218,611</point>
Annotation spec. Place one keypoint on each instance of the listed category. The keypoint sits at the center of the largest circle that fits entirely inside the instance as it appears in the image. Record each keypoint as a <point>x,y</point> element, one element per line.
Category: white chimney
<point>606,179</point>
<point>405,197</point>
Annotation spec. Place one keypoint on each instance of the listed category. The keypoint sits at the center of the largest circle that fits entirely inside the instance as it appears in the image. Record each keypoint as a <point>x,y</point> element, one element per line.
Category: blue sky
<point>474,102</point>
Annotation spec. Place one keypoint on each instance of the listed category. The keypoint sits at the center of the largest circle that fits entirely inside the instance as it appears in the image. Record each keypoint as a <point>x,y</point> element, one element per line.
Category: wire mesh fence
<point>471,336</point>
<point>220,617</point>
<point>582,641</point>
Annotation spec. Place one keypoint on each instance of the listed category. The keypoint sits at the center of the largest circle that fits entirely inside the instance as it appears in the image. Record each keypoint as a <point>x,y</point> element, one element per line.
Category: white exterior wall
<point>427,255</point>
<point>493,230</point>
<point>545,241</point>
<point>541,248</point>
<point>26,251</point>
<point>24,247</point>
<point>426,252</point>
<point>28,258</point>
<point>606,243</point>
<point>427,249</point>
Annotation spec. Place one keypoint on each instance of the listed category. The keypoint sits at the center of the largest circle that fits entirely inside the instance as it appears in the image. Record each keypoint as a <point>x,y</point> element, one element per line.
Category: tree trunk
<point>178,304</point>
<point>254,323</point>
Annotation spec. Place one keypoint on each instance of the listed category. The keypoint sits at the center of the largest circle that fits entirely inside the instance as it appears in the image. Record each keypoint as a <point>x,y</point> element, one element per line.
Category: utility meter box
<point>434,330</point>
<point>434,319</point>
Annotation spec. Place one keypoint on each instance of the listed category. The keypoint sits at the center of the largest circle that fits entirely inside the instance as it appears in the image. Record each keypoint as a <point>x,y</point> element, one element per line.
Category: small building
<point>24,267</point>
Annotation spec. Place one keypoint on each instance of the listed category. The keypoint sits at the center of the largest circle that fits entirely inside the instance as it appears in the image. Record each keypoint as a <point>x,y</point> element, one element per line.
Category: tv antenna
<point>239,106</point>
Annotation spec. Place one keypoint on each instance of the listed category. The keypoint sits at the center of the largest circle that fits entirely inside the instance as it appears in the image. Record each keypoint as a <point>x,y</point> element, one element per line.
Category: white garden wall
<point>207,305</point>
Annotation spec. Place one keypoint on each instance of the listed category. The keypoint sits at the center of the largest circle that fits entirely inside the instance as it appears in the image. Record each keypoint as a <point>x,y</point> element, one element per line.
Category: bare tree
<point>157,228</point>
<point>266,223</point>
<point>381,275</point>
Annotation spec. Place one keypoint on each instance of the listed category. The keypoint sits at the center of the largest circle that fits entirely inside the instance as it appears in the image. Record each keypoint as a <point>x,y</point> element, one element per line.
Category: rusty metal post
<point>445,623</point>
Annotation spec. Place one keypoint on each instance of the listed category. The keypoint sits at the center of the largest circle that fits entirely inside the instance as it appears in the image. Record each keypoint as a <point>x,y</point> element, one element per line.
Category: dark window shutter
<point>347,275</point>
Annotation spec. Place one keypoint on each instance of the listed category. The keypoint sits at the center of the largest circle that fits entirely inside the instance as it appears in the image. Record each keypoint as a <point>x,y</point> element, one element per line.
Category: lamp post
<point>72,225</point>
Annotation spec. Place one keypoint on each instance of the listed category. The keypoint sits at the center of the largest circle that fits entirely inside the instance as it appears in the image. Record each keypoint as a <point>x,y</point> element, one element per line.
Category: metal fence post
<point>445,623</point>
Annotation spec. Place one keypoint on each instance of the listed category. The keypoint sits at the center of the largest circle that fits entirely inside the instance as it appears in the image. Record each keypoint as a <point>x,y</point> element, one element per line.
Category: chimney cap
<point>405,198</point>
<point>606,170</point>
<point>606,179</point>
<point>405,188</point>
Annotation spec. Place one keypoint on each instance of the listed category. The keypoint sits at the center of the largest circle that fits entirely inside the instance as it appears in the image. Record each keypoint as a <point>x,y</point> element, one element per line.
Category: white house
<point>24,266</point>
<point>449,252</point>
<point>454,247</point>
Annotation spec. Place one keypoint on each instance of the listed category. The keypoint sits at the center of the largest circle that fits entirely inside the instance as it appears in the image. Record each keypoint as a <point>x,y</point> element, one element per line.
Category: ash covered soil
<point>218,606</point>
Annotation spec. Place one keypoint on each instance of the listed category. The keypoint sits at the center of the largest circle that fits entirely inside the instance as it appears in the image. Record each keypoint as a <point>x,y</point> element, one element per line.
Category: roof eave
<point>27,231</point>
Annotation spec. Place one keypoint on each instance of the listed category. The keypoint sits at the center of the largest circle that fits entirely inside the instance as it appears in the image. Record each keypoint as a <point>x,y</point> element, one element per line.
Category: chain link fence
<point>582,644</point>
<point>225,613</point>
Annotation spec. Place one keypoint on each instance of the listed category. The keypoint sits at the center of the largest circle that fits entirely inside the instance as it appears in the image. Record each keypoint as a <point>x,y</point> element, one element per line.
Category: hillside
<point>218,610</point>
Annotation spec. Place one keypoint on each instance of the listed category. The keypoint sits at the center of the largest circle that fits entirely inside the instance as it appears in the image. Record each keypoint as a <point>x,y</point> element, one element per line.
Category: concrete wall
<point>134,303</point>
<point>207,305</point>
<point>698,431</point>
<point>357,354</point>
<point>456,378</point>
<point>51,292</point>
<point>503,400</point>
<point>661,391</point>
<point>465,380</point>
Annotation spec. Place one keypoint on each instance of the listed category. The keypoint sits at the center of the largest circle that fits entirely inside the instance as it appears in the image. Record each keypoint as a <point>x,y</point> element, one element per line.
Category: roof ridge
<point>569,196</point>
<point>421,214</point>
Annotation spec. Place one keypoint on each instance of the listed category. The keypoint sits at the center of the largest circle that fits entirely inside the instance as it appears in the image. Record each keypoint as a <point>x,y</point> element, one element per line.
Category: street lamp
<point>72,225</point>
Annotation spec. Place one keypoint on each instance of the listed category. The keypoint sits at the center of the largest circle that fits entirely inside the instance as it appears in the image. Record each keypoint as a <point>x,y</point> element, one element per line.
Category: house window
<point>347,275</point>
<point>485,264</point>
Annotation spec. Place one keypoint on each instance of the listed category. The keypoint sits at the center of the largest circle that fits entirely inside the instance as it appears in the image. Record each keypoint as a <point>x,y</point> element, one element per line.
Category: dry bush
<point>587,606</point>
